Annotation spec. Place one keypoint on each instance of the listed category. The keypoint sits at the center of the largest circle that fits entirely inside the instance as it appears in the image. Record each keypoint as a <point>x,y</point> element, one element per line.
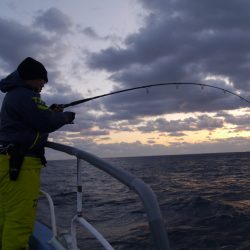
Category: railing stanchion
<point>79,188</point>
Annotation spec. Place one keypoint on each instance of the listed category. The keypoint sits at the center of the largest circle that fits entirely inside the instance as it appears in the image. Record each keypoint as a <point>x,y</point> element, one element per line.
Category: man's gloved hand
<point>56,107</point>
<point>70,116</point>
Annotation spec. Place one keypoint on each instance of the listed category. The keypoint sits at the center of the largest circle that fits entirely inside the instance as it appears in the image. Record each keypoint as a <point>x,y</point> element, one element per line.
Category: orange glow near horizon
<point>165,138</point>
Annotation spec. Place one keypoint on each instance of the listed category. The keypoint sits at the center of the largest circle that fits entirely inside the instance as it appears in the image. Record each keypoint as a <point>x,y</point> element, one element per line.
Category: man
<point>25,124</point>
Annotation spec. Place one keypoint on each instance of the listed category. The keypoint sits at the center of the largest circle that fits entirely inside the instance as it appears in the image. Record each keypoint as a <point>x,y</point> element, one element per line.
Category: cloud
<point>179,41</point>
<point>238,119</point>
<point>168,99</point>
<point>95,133</point>
<point>54,20</point>
<point>182,42</point>
<point>202,122</point>
<point>233,144</point>
<point>177,134</point>
<point>18,41</point>
<point>240,122</point>
<point>90,32</point>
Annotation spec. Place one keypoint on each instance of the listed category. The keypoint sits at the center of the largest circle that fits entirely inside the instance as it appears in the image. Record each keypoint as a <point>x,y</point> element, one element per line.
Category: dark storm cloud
<point>182,41</point>
<point>53,20</point>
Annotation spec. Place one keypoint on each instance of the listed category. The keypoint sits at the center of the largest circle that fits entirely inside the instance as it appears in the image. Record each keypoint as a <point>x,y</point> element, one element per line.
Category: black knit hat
<point>30,69</point>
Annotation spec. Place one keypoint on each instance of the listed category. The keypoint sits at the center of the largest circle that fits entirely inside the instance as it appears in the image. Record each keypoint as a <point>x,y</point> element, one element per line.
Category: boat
<point>46,237</point>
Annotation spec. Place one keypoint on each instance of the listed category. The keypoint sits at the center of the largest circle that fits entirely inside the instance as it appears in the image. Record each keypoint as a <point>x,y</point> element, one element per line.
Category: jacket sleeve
<point>36,114</point>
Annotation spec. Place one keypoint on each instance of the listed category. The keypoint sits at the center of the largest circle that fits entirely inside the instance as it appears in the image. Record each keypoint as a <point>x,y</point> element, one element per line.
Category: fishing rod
<point>150,86</point>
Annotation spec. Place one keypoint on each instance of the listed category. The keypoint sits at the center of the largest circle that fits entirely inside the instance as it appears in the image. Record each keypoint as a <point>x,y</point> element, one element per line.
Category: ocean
<point>204,199</point>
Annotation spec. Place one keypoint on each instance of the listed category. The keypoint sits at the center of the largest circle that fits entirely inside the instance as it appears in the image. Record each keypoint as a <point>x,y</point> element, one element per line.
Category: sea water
<point>204,200</point>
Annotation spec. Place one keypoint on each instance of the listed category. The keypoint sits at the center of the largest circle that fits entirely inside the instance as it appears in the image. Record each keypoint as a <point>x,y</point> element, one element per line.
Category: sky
<point>93,47</point>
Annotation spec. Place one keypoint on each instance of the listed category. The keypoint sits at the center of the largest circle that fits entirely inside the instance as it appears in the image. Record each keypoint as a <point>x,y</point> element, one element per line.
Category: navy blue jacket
<point>25,118</point>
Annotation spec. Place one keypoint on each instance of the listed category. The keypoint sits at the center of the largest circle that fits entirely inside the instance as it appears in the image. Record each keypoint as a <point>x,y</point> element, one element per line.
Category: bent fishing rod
<point>150,86</point>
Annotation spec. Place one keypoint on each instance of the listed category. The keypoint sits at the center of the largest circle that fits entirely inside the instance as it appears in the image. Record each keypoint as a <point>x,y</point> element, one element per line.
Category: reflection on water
<point>204,200</point>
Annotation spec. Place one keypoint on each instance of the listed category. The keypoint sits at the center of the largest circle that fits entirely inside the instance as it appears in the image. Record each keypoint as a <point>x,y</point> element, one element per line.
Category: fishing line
<point>147,90</point>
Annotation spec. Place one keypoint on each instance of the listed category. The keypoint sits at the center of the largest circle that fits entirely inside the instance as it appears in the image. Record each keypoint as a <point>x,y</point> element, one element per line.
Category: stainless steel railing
<point>144,192</point>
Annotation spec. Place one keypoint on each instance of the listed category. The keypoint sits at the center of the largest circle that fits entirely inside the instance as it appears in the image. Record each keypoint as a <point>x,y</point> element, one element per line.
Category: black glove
<point>56,107</point>
<point>70,116</point>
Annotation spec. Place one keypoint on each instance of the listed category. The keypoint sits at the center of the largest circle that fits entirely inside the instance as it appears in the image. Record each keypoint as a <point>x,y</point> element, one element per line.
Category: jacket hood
<point>11,81</point>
